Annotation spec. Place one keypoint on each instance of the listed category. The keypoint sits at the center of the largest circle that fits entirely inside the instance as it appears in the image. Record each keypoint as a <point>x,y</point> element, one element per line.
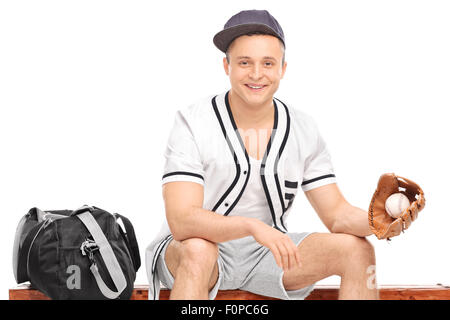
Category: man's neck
<point>250,116</point>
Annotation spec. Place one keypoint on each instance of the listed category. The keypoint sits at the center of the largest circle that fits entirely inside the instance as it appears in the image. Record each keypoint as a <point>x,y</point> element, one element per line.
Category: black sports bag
<point>80,254</point>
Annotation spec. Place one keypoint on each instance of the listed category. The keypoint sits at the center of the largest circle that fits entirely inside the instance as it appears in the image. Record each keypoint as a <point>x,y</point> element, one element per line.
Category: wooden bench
<point>320,292</point>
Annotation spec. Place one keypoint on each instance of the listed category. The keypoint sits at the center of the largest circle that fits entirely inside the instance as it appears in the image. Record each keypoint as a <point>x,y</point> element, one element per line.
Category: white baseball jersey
<point>205,147</point>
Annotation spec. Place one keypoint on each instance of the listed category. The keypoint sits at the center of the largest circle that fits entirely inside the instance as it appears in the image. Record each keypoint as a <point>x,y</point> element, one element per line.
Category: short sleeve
<point>318,167</point>
<point>182,156</point>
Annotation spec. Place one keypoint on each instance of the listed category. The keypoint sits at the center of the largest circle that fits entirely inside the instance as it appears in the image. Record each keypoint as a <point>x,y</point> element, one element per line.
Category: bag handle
<point>107,253</point>
<point>131,239</point>
<point>81,210</point>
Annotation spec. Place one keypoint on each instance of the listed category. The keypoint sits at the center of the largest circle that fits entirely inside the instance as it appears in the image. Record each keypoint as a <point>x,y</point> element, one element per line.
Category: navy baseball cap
<point>245,22</point>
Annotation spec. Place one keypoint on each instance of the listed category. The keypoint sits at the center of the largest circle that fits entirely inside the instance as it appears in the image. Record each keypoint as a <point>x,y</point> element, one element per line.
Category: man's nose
<point>256,72</point>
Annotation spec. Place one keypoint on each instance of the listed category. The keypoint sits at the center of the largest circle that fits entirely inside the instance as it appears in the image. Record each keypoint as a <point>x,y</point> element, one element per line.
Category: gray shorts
<point>245,264</point>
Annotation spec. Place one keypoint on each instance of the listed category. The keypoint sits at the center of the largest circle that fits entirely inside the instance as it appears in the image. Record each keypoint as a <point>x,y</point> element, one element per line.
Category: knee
<point>359,250</point>
<point>198,252</point>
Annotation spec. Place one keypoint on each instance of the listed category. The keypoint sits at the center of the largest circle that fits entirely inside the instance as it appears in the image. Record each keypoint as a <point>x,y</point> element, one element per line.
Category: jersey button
<point>245,172</point>
<point>226,204</point>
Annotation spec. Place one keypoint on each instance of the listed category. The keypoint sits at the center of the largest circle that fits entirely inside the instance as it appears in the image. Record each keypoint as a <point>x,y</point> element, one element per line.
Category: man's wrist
<point>251,224</point>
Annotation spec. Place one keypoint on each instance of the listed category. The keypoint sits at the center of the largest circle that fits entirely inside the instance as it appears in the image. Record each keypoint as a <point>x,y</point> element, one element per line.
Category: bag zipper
<point>45,224</point>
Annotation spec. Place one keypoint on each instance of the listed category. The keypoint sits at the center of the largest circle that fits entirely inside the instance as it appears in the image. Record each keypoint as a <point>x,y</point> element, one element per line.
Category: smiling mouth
<point>255,87</point>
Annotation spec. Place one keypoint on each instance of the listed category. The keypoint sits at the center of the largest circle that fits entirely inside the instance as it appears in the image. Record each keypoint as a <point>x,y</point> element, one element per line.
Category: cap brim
<point>223,39</point>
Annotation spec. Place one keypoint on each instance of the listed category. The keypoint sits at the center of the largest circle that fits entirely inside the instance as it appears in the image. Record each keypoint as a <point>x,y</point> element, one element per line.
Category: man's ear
<point>283,70</point>
<point>226,66</point>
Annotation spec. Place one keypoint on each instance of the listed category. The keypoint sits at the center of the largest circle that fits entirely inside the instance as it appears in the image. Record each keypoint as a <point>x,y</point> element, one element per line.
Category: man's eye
<point>244,63</point>
<point>268,64</point>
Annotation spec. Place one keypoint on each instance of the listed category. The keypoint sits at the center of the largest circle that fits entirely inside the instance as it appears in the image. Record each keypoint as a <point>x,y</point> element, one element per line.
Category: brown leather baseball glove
<point>381,223</point>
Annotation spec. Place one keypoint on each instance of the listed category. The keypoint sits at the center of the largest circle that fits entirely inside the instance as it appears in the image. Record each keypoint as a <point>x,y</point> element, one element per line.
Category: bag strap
<point>108,256</point>
<point>131,239</point>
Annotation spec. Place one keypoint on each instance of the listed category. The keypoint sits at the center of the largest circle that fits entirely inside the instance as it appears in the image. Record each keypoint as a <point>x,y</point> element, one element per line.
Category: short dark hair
<point>257,33</point>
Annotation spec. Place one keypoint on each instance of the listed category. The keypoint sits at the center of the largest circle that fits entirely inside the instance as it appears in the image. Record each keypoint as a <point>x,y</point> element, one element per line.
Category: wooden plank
<point>320,292</point>
<point>415,294</point>
<point>23,292</point>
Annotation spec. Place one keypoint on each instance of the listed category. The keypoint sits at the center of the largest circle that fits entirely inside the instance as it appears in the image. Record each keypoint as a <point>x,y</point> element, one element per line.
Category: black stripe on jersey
<point>291,184</point>
<point>230,114</point>
<point>318,178</point>
<point>289,196</point>
<point>182,173</point>
<point>263,165</point>
<point>238,167</point>
<point>283,144</point>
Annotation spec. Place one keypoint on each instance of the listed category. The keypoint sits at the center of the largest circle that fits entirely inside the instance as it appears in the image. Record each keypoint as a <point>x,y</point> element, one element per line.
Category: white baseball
<point>396,204</point>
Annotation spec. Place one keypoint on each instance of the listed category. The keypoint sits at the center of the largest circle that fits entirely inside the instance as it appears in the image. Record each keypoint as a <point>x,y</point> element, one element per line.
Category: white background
<point>88,92</point>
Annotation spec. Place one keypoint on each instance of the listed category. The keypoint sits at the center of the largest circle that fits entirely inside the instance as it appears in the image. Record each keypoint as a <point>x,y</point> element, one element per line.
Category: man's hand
<point>282,247</point>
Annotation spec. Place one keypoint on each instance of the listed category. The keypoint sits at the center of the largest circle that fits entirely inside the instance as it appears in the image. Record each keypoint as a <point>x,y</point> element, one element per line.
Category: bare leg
<point>323,255</point>
<point>193,264</point>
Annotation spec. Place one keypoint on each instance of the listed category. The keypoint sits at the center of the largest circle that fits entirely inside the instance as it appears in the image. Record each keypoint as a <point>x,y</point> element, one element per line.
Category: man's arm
<point>187,219</point>
<point>336,213</point>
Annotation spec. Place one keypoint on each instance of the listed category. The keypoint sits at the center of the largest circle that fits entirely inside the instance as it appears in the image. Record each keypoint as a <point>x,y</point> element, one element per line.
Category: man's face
<point>255,68</point>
